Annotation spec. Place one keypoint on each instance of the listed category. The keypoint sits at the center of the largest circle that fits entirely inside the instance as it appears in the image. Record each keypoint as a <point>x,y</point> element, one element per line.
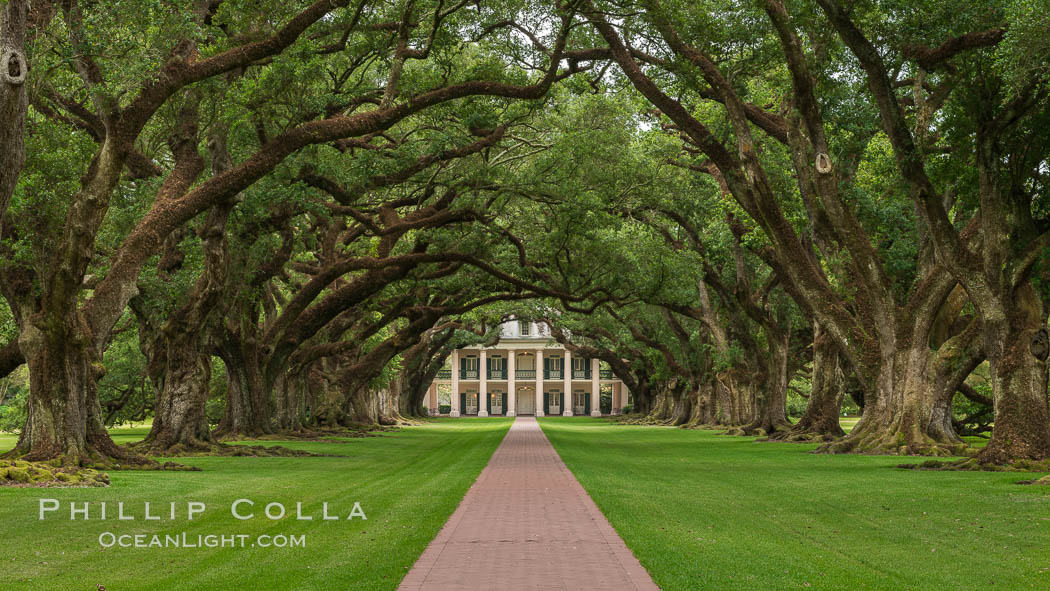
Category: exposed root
<point>704,426</point>
<point>975,464</point>
<point>801,436</point>
<point>49,474</point>
<point>115,458</point>
<point>883,442</point>
<point>201,449</point>
<point>651,420</point>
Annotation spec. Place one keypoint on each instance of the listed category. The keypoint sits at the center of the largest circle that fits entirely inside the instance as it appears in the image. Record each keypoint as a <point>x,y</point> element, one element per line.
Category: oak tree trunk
<point>248,407</point>
<point>180,421</point>
<point>1017,352</point>
<point>912,410</point>
<point>64,416</point>
<point>820,421</point>
<point>770,414</point>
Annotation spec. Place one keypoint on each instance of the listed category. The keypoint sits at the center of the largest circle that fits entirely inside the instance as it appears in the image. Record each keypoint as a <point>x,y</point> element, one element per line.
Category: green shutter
<point>462,403</point>
<point>587,406</point>
<point>488,403</point>
<point>546,403</point>
<point>546,369</point>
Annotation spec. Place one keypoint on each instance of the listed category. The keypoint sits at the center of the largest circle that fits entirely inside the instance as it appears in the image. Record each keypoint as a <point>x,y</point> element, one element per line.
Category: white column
<point>567,368</point>
<point>455,384</point>
<point>483,392</point>
<point>616,404</point>
<point>539,382</point>
<point>431,399</point>
<point>596,390</point>
<point>512,390</point>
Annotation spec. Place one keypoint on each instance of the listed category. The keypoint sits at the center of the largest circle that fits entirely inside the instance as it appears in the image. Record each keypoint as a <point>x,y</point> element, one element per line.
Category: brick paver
<point>526,523</point>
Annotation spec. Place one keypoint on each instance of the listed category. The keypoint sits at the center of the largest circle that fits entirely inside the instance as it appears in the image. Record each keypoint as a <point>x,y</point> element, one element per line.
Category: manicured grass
<point>703,511</point>
<point>407,482</point>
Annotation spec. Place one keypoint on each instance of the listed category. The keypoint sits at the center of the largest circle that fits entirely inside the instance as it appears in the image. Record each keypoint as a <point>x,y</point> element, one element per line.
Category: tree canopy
<point>238,219</point>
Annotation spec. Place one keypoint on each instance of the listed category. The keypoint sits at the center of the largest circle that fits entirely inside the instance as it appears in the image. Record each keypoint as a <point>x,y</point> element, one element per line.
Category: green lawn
<point>703,511</point>
<point>407,482</point>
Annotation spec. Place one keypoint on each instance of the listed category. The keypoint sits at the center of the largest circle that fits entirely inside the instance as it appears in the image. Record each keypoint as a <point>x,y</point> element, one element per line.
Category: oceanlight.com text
<point>187,540</point>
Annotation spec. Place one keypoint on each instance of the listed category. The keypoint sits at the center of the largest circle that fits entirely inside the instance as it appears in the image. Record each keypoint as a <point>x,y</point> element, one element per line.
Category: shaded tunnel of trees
<point>241,221</point>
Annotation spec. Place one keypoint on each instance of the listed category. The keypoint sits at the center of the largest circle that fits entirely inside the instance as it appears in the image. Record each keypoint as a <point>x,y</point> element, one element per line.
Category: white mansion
<point>506,379</point>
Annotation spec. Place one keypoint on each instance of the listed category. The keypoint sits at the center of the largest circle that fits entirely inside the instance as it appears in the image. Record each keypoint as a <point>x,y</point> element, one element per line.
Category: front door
<point>496,403</point>
<point>526,403</point>
<point>472,403</point>
<point>579,402</point>
<point>555,403</point>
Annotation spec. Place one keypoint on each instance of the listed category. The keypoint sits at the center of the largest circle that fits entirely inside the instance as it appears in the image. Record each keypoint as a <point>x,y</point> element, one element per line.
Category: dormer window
<point>525,328</point>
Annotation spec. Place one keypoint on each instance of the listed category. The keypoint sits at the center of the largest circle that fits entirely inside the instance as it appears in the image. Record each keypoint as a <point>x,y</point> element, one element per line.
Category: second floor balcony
<point>497,374</point>
<point>552,374</point>
<point>444,374</point>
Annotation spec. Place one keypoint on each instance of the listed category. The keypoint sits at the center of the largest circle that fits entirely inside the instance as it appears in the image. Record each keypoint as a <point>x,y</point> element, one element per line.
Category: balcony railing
<point>552,374</point>
<point>525,374</point>
<point>468,374</point>
<point>605,374</point>
<point>497,374</point>
<point>444,374</point>
<point>581,374</point>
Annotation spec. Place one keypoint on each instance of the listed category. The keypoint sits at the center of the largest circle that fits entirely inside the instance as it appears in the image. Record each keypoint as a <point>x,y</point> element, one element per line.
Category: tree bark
<point>183,344</point>
<point>912,412</point>
<point>820,421</point>
<point>770,409</point>
<point>64,415</point>
<point>248,405</point>
<point>13,101</point>
<point>180,423</point>
<point>1018,347</point>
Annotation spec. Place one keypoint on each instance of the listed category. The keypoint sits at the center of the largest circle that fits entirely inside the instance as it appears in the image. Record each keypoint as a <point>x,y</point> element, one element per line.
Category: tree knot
<point>823,163</point>
<point>13,66</point>
<point>1040,345</point>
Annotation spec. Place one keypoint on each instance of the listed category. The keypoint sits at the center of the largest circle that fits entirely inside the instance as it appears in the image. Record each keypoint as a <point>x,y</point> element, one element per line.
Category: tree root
<point>114,457</point>
<point>973,464</point>
<point>707,426</point>
<point>650,420</point>
<point>54,473</point>
<point>206,449</point>
<point>802,436</point>
<point>882,442</point>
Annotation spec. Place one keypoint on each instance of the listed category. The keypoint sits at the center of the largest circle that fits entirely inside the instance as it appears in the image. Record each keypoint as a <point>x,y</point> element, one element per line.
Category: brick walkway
<point>526,523</point>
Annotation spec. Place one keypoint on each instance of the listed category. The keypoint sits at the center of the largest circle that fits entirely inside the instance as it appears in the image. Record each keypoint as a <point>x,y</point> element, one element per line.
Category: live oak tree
<point>883,333</point>
<point>995,124</point>
<point>13,106</point>
<point>60,337</point>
